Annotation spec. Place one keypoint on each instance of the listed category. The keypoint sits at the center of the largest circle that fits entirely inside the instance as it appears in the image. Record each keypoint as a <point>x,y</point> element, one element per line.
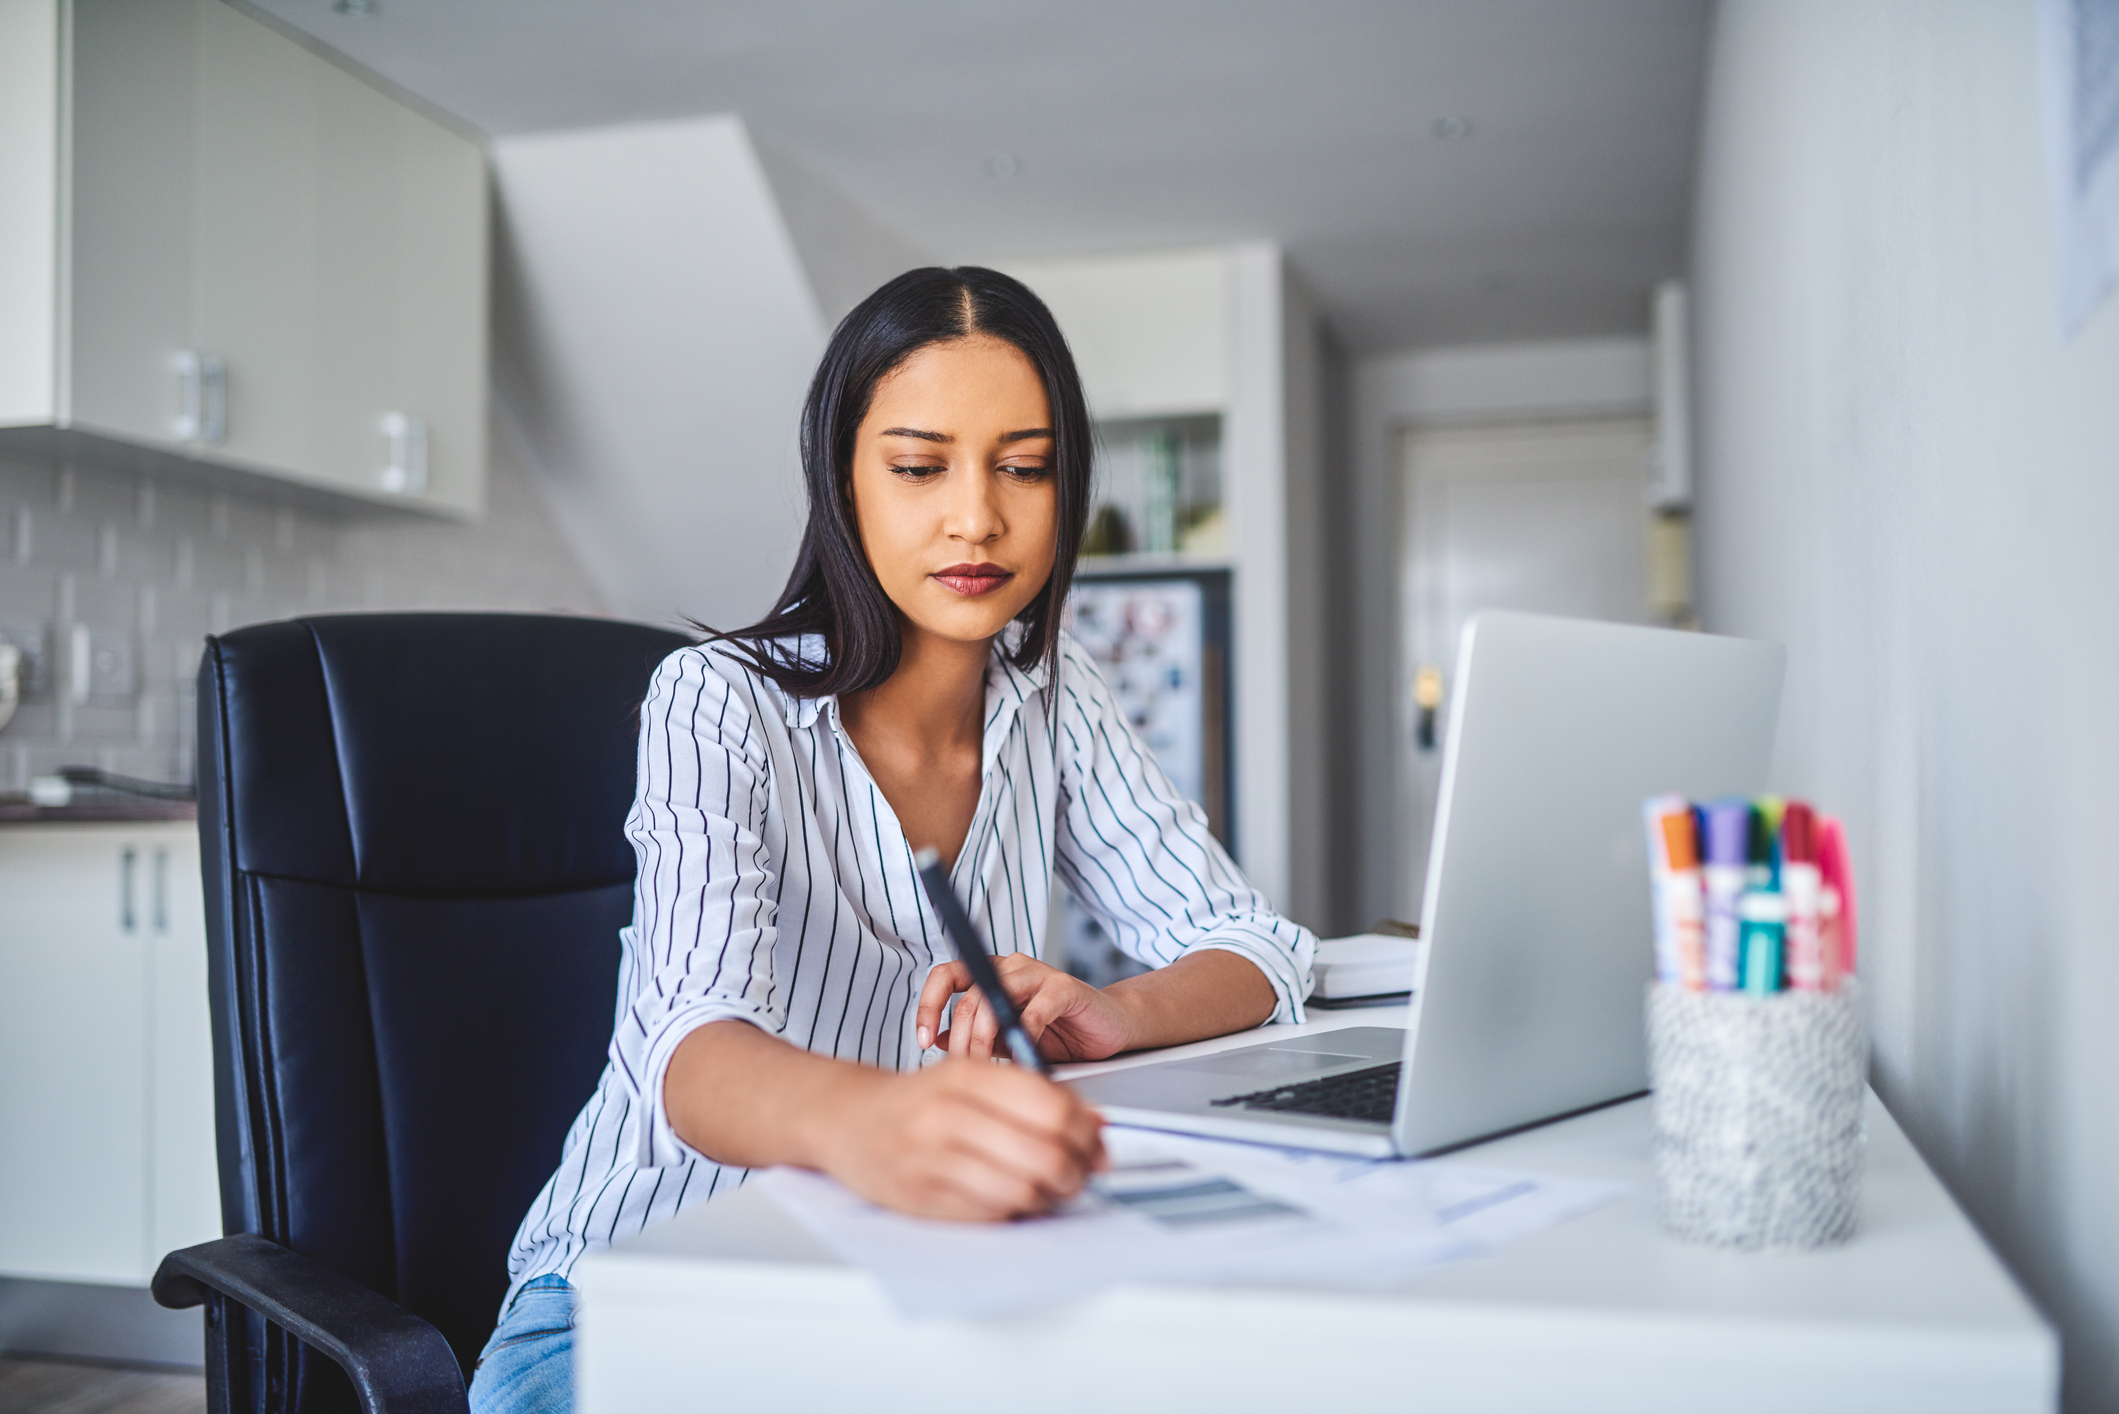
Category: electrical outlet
<point>110,670</point>
<point>33,641</point>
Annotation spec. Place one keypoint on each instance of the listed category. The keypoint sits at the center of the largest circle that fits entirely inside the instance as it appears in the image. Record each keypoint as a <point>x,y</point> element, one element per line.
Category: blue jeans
<point>527,1366</point>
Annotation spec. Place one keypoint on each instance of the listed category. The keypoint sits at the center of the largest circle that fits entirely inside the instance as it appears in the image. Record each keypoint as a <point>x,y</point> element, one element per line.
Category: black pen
<point>972,949</point>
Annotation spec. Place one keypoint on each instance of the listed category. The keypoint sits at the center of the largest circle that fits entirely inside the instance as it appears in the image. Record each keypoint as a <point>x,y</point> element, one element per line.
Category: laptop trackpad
<point>1261,1062</point>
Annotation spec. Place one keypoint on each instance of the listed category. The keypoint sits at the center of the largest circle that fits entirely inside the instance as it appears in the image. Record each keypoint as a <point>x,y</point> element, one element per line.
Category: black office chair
<point>415,876</point>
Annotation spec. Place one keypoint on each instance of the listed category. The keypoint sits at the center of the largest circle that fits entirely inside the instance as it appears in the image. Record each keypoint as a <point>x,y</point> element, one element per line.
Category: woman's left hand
<point>1068,1019</point>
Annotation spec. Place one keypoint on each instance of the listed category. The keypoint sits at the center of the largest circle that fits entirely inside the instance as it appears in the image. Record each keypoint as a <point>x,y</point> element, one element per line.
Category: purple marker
<point>1727,836</point>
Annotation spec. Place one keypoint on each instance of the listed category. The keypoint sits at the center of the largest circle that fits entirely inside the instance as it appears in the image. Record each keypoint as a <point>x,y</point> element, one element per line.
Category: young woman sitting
<point>784,982</point>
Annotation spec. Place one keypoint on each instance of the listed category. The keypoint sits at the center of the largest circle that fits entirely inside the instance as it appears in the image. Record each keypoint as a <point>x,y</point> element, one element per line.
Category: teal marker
<point>1762,925</point>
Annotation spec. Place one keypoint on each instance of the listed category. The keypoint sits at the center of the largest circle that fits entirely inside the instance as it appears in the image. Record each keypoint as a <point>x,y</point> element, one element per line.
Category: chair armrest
<point>397,1362</point>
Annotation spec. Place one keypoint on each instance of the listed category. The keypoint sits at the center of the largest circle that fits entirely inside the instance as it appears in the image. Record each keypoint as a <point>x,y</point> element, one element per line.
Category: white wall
<point>655,335</point>
<point>1230,329</point>
<point>1389,393</point>
<point>1912,482</point>
<point>1314,596</point>
<point>1150,332</point>
<point>1254,489</point>
<point>162,564</point>
<point>846,252</point>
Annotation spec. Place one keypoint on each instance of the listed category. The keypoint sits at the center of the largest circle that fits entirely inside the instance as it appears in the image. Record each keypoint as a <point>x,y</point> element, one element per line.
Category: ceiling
<point>1453,171</point>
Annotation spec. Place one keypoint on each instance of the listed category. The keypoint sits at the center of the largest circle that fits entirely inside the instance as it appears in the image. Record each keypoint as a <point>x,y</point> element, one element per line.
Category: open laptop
<point>1527,1004</point>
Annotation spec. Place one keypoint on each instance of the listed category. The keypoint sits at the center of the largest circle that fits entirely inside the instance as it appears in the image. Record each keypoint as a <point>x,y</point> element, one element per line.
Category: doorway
<point>1547,516</point>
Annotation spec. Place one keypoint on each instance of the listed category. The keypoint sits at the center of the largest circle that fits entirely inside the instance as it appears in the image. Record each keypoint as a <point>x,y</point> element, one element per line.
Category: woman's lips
<point>972,580</point>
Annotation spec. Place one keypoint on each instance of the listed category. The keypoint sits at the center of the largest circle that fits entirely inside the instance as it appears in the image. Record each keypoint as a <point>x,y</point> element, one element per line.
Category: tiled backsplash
<point>150,567</point>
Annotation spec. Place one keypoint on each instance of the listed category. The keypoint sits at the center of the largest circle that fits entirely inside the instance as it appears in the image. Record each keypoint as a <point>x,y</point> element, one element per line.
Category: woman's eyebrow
<point>925,436</point>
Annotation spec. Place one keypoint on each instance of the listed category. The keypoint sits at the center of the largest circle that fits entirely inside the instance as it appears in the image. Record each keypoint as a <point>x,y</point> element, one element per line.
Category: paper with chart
<point>1182,1211</point>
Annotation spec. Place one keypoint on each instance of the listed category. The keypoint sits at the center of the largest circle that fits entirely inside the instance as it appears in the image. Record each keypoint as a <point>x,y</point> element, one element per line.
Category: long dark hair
<point>833,592</point>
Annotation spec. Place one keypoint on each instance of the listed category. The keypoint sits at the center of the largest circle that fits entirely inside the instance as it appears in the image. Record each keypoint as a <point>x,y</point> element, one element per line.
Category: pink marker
<point>1837,872</point>
<point>1809,969</point>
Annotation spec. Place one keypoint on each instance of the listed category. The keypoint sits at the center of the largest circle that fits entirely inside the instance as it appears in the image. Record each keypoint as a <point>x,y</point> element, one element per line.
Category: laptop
<point>1527,1005</point>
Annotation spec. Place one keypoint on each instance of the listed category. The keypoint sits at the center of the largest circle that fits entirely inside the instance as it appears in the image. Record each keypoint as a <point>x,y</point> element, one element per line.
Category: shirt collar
<point>1007,689</point>
<point>807,648</point>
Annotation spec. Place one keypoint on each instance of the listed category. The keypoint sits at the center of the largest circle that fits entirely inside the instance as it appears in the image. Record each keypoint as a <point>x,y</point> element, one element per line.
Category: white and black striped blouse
<point>776,887</point>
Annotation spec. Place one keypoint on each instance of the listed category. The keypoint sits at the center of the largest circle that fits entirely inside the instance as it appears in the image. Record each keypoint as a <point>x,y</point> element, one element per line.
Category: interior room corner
<point>1787,321</point>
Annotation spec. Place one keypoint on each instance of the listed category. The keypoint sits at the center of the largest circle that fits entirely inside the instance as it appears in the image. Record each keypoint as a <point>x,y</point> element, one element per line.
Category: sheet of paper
<point>1184,1211</point>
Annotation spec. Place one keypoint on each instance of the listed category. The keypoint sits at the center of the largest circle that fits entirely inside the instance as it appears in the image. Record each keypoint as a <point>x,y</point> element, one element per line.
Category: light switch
<point>110,668</point>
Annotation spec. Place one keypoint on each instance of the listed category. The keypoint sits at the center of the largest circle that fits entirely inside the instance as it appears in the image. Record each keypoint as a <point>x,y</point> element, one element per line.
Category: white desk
<point>734,1307</point>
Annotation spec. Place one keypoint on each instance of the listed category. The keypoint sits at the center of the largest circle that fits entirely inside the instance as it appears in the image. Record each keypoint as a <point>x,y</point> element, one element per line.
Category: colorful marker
<point>1674,866</point>
<point>1751,896</point>
<point>1837,897</point>
<point>1762,917</point>
<point>1728,838</point>
<point>1809,968</point>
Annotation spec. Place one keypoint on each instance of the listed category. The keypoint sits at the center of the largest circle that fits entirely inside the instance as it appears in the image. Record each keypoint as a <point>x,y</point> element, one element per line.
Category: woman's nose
<point>973,516</point>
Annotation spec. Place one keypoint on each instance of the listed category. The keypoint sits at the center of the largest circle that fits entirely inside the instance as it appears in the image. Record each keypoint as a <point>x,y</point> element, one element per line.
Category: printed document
<point>1176,1210</point>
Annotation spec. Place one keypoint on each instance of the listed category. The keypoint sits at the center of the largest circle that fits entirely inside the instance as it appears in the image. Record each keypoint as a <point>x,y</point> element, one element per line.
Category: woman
<point>784,984</point>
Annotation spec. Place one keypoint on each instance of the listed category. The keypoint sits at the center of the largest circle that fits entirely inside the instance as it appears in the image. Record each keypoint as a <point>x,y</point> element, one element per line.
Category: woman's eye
<point>1027,473</point>
<point>918,471</point>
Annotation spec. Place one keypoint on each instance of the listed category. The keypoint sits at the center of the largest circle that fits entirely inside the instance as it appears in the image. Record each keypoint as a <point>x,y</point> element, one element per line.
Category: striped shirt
<point>776,887</point>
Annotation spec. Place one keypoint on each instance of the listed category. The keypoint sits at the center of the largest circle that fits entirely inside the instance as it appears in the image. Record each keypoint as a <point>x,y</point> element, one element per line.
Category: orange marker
<point>1680,904</point>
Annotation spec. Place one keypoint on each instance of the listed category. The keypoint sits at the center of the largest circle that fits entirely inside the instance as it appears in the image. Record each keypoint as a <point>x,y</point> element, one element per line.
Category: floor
<point>55,1387</point>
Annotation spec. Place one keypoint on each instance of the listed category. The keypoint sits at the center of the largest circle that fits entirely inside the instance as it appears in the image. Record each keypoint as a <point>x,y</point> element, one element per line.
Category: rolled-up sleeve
<point>701,945</point>
<point>1139,855</point>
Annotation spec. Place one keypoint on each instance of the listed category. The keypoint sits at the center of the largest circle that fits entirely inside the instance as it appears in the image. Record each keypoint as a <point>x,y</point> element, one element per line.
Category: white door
<point>106,1113</point>
<point>184,1199</point>
<point>74,1055</point>
<point>1544,516</point>
<point>132,269</point>
<point>257,252</point>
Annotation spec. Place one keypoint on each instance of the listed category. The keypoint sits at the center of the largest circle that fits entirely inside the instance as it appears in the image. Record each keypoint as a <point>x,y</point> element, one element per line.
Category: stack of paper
<point>1176,1210</point>
<point>1365,965</point>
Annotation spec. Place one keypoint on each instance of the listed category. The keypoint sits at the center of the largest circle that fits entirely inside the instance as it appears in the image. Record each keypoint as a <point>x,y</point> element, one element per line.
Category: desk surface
<point>1603,1312</point>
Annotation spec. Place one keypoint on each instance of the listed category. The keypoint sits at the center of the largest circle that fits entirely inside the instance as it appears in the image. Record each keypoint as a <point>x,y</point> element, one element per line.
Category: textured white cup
<point>1758,1114</point>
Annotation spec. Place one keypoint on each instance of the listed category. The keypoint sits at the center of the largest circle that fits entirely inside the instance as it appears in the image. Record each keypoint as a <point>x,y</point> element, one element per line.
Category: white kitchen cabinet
<point>257,262</point>
<point>106,1065</point>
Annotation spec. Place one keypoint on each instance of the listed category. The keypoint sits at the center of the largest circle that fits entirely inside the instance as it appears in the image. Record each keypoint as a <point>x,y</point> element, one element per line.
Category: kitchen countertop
<point>122,811</point>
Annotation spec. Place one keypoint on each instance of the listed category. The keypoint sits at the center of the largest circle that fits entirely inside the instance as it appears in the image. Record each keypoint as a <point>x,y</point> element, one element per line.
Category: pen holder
<point>1758,1114</point>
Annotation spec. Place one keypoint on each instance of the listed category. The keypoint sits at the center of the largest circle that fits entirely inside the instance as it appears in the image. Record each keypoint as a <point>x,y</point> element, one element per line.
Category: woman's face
<point>954,486</point>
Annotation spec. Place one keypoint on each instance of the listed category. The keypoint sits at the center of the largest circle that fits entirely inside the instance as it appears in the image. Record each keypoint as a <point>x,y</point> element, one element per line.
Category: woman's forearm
<point>1208,993</point>
<point>743,1097</point>
<point>962,1139</point>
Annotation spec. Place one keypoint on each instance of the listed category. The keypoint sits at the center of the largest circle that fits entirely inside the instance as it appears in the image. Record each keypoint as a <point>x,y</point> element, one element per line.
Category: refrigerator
<point>1161,640</point>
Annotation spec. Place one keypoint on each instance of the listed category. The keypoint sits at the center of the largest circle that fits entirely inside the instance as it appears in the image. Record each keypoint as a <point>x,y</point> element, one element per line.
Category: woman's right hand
<point>961,1139</point>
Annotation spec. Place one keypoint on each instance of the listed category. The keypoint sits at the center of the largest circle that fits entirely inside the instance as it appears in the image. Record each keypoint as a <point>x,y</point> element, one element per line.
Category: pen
<point>972,949</point>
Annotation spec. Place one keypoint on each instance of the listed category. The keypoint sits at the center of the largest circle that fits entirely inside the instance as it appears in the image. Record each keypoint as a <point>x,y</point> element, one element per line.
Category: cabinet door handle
<point>202,398</point>
<point>214,429</point>
<point>405,439</point>
<point>127,859</point>
<point>161,895</point>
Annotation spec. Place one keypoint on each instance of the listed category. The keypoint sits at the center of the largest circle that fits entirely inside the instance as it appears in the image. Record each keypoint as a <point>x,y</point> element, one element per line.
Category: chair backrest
<point>415,877</point>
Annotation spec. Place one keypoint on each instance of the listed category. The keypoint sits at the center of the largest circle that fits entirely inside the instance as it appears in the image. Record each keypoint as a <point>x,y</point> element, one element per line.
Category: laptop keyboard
<point>1370,1094</point>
